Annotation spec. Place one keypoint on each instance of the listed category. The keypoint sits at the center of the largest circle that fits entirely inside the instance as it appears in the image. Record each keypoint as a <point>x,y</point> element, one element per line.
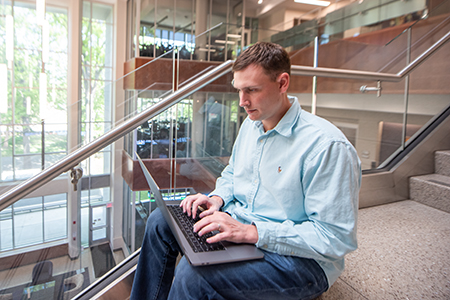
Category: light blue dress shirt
<point>299,184</point>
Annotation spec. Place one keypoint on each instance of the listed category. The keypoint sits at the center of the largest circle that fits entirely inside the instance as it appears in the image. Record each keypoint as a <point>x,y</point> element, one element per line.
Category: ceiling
<point>165,9</point>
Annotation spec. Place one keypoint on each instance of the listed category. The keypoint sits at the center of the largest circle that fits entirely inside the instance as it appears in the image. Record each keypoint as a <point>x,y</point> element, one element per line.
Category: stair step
<point>442,162</point>
<point>432,190</point>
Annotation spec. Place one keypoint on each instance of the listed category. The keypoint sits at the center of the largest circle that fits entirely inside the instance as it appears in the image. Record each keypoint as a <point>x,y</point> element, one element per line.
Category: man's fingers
<point>215,238</point>
<point>208,228</point>
<point>188,204</point>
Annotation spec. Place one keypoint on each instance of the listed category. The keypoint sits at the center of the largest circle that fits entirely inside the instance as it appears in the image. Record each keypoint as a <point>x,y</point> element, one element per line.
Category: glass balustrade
<point>57,236</point>
<point>85,232</point>
<point>428,90</point>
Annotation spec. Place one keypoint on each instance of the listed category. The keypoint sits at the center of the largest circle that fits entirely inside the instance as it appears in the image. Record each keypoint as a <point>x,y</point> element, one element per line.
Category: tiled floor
<point>403,253</point>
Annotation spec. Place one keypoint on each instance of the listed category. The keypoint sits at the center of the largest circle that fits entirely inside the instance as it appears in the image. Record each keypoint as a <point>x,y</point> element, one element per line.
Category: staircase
<point>434,189</point>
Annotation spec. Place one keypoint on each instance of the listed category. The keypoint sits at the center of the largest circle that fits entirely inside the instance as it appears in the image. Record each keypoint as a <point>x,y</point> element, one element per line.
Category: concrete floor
<point>403,253</point>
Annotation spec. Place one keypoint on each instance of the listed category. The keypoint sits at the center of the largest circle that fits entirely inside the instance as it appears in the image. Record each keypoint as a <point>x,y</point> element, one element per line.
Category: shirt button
<point>292,253</point>
<point>265,246</point>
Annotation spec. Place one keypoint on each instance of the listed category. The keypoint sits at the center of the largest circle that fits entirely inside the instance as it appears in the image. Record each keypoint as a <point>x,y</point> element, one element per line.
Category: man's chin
<point>253,116</point>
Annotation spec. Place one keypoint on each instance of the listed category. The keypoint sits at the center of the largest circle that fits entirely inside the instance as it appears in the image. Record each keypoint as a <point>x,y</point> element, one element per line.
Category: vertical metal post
<point>174,15</point>
<point>133,111</point>
<point>244,8</point>
<point>13,236</point>
<point>155,24</point>
<point>405,102</point>
<point>188,129</point>
<point>43,219</point>
<point>133,221</point>
<point>314,85</point>
<point>205,123</point>
<point>138,27</point>
<point>174,69</point>
<point>43,145</point>
<point>152,129</point>
<point>222,117</point>
<point>192,29</point>
<point>178,68</point>
<point>226,30</point>
<point>210,31</point>
<point>173,163</point>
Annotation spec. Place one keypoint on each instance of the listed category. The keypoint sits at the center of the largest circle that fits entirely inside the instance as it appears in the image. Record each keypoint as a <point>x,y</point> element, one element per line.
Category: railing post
<point>406,96</point>
<point>314,85</point>
<point>210,32</point>
<point>138,28</point>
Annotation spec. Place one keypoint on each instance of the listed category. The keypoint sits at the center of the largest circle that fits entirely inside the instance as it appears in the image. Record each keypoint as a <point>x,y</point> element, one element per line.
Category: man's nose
<point>243,100</point>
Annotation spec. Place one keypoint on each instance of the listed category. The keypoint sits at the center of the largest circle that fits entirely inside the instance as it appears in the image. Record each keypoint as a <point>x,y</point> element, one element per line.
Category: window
<point>97,84</point>
<point>33,114</point>
<point>32,221</point>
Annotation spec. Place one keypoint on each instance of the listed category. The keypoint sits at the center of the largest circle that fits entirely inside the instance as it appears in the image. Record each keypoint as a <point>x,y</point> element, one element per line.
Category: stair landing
<point>403,253</point>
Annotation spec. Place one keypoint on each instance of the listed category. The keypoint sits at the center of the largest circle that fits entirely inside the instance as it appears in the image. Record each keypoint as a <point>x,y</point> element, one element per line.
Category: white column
<point>201,13</point>
<point>73,213</point>
<point>120,12</point>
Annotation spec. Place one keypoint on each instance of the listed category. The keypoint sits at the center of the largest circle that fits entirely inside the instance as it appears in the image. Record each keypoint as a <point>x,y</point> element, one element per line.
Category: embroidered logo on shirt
<point>279,169</point>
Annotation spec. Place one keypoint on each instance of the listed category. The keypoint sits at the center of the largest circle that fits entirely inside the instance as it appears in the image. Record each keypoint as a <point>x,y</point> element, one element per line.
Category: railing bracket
<point>76,174</point>
<point>366,88</point>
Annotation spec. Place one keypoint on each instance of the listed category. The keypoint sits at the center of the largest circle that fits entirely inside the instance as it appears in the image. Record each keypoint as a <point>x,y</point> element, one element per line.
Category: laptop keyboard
<point>186,223</point>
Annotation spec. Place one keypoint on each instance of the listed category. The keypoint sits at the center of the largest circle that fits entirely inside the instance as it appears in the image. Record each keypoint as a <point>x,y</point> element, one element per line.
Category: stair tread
<point>434,178</point>
<point>445,152</point>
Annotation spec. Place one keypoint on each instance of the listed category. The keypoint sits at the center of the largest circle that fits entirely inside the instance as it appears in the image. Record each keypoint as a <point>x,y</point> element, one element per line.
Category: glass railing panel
<point>357,18</point>
<point>428,92</point>
<point>219,43</point>
<point>374,124</point>
<point>71,229</point>
<point>222,41</point>
<point>297,36</point>
<point>186,146</point>
<point>425,95</point>
<point>357,114</point>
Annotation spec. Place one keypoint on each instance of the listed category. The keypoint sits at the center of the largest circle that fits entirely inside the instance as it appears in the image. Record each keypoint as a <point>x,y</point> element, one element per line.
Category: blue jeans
<point>273,277</point>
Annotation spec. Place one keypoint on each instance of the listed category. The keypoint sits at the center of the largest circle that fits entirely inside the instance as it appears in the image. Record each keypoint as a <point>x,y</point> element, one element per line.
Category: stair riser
<point>431,194</point>
<point>442,163</point>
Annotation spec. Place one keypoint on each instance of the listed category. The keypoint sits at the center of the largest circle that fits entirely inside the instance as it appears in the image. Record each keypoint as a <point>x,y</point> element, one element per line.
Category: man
<point>291,188</point>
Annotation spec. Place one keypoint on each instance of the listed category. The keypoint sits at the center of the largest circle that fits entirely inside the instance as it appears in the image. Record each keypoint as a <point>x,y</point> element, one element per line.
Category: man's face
<point>260,96</point>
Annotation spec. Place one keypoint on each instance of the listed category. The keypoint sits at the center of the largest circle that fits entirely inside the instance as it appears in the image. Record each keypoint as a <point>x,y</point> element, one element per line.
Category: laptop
<point>219,253</point>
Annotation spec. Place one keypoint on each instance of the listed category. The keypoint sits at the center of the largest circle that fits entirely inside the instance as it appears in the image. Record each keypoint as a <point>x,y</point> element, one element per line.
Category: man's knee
<point>156,224</point>
<point>187,281</point>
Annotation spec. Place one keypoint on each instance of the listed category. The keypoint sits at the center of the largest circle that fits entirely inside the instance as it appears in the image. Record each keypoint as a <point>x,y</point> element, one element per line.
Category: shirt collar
<point>284,126</point>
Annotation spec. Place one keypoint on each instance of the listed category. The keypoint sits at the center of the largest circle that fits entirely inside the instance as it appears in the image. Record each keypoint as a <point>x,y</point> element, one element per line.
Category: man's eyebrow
<point>245,87</point>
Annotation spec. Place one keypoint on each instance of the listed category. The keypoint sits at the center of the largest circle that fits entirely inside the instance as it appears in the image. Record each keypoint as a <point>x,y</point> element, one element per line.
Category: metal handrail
<point>365,75</point>
<point>74,158</point>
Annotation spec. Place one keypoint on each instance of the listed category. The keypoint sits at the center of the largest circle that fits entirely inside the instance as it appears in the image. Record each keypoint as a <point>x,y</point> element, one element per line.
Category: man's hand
<point>191,203</point>
<point>229,229</point>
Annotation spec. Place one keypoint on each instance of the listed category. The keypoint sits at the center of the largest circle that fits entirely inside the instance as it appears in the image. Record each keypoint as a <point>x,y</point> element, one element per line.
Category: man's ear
<point>284,80</point>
